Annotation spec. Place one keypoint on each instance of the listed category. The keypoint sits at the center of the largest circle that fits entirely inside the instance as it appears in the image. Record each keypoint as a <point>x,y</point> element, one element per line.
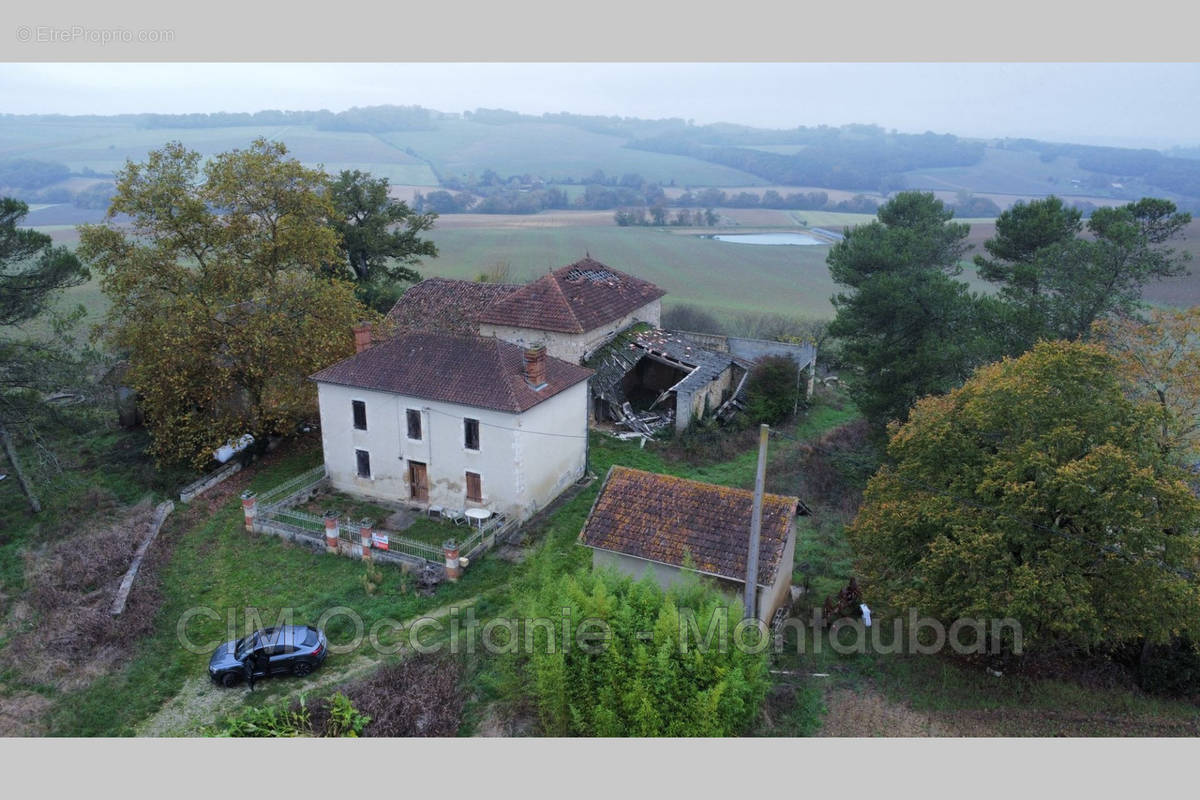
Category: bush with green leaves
<point>267,721</point>
<point>652,677</point>
<point>772,390</point>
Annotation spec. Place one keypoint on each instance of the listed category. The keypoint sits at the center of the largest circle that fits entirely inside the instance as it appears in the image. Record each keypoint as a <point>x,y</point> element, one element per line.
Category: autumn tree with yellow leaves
<point>1159,357</point>
<point>218,294</point>
<point>1037,491</point>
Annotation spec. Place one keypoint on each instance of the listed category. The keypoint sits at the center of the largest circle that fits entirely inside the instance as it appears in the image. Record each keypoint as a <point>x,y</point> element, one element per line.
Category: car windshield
<point>244,646</point>
<point>310,637</point>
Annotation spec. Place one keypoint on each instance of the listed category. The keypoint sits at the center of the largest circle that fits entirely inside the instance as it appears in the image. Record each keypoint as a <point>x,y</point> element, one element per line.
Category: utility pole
<point>751,593</point>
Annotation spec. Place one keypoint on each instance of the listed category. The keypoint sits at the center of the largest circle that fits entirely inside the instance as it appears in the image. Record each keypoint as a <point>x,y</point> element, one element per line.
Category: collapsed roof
<point>620,356</point>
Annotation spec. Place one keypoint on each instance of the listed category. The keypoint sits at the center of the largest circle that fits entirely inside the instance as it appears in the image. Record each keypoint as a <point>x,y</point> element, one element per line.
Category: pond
<point>768,238</point>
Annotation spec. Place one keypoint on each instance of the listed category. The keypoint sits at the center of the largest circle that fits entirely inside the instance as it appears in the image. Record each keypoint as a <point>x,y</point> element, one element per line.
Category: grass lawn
<point>726,278</point>
<point>214,564</point>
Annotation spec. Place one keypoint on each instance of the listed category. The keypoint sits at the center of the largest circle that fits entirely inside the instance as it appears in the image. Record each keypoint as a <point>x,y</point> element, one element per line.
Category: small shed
<point>646,521</point>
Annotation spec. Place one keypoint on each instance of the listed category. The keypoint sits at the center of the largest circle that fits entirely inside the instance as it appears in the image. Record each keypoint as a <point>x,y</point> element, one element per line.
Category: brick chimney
<point>535,365</point>
<point>362,336</point>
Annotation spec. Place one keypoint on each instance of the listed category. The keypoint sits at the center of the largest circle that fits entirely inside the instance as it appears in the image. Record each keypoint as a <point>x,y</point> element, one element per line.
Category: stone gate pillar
<point>250,509</point>
<point>331,532</point>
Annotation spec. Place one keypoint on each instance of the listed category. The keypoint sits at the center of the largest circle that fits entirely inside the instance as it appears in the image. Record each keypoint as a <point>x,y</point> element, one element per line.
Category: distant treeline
<point>638,200</point>
<point>369,119</point>
<point>1180,175</point>
<point>28,173</point>
<point>660,215</point>
<point>854,157</point>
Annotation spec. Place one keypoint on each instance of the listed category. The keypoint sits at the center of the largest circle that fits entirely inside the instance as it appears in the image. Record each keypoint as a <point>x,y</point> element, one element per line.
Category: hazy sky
<point>1153,105</point>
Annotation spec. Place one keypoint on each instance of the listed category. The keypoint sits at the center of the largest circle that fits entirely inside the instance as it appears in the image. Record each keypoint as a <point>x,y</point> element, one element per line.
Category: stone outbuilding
<point>573,310</point>
<point>646,521</point>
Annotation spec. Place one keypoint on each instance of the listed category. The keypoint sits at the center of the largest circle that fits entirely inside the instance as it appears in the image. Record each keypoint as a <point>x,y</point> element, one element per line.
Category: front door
<point>418,482</point>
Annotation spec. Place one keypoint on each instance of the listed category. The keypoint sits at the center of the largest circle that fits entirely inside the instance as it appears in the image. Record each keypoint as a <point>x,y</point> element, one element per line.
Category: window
<point>414,424</point>
<point>474,487</point>
<point>360,415</point>
<point>471,433</point>
<point>364,463</point>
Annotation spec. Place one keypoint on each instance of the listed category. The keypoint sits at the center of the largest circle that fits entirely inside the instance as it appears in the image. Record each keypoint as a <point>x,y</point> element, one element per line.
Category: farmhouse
<point>573,310</point>
<point>591,313</point>
<point>645,521</point>
<point>456,422</point>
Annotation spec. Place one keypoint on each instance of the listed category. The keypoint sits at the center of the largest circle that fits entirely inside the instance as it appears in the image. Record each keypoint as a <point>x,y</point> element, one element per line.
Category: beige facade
<point>573,347</point>
<point>523,460</point>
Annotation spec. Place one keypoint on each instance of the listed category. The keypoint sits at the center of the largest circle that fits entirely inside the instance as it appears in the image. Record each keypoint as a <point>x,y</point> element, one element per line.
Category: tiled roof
<point>446,305</point>
<point>660,517</point>
<point>578,297</point>
<point>469,370</point>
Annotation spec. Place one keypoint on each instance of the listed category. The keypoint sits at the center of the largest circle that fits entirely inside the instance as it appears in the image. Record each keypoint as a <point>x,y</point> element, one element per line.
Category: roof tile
<point>578,297</point>
<point>470,370</point>
<point>660,517</point>
<point>446,305</point>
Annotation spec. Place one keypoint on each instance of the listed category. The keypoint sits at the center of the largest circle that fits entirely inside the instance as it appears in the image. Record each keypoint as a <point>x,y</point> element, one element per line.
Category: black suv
<point>286,650</point>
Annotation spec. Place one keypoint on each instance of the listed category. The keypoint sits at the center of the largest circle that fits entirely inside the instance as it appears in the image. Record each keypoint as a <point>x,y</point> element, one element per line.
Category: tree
<point>642,681</point>
<point>380,236</point>
<point>907,328</point>
<point>1037,492</point>
<point>772,390</point>
<point>220,293</point>
<point>1160,359</point>
<point>1056,283</point>
<point>32,273</point>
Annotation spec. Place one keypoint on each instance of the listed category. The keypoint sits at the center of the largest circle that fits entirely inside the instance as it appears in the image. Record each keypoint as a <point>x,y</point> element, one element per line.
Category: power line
<point>506,428</point>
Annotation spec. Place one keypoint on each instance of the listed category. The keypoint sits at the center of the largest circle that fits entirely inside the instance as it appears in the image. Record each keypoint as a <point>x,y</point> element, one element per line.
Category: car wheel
<point>301,669</point>
<point>228,679</point>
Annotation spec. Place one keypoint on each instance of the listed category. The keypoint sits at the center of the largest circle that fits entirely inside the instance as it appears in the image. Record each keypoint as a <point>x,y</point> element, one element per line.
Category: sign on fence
<point>379,540</point>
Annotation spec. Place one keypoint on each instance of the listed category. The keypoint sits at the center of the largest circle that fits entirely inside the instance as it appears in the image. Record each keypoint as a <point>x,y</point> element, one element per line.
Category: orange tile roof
<point>660,517</point>
<point>573,299</point>
<point>446,305</point>
<point>470,370</point>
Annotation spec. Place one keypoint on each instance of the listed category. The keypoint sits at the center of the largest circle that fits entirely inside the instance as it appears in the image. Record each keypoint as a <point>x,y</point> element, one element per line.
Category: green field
<point>725,278</point>
<point>1004,172</point>
<point>455,147</point>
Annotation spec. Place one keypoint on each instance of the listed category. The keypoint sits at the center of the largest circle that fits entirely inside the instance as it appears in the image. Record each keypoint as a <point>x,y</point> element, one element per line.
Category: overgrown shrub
<point>637,684</point>
<point>344,719</point>
<point>772,391</point>
<point>420,696</point>
<point>685,317</point>
<point>268,721</point>
<point>70,587</point>
<point>1172,669</point>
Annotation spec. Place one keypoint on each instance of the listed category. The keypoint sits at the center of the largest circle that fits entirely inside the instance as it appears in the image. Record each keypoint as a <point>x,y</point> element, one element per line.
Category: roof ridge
<point>566,302</point>
<point>681,479</point>
<point>508,379</point>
